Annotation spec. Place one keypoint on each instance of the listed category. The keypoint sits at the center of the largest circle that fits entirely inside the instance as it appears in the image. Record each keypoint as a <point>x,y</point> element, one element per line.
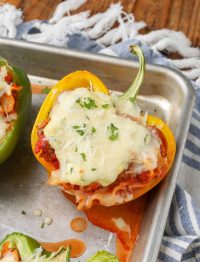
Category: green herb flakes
<point>83,155</point>
<point>80,132</point>
<point>93,130</point>
<point>46,90</point>
<point>114,132</point>
<point>23,212</point>
<point>93,169</point>
<point>87,102</point>
<point>42,225</point>
<point>79,129</point>
<point>105,106</point>
<point>78,101</point>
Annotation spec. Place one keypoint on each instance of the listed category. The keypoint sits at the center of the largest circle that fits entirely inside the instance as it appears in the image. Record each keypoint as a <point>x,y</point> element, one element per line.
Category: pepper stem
<point>135,86</point>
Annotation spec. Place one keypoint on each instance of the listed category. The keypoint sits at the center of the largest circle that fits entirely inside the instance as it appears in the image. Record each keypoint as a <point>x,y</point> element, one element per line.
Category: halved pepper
<point>22,105</point>
<point>24,248</point>
<point>86,79</point>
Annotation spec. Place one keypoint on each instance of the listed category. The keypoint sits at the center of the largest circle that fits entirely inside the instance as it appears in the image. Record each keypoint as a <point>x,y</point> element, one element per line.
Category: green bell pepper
<point>103,256</point>
<point>23,106</point>
<point>30,250</point>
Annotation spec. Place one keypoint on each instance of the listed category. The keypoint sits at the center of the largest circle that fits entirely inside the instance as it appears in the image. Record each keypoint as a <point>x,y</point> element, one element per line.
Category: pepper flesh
<point>23,105</point>
<point>86,79</point>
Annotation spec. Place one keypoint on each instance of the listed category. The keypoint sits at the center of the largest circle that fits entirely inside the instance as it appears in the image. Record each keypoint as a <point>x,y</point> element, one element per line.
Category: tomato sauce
<point>77,246</point>
<point>78,224</point>
<point>124,220</point>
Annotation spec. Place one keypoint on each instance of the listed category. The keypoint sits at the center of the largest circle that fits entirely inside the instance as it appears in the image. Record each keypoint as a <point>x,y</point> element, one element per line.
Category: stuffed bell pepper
<point>19,247</point>
<point>98,145</point>
<point>15,103</point>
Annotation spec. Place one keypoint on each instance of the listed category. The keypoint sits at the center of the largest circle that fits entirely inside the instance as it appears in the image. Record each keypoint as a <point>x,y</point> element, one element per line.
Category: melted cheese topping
<point>3,127</point>
<point>5,88</point>
<point>95,141</point>
<point>9,258</point>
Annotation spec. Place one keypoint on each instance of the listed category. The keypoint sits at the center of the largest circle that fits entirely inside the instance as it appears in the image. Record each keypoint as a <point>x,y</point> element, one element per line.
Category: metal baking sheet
<point>165,93</point>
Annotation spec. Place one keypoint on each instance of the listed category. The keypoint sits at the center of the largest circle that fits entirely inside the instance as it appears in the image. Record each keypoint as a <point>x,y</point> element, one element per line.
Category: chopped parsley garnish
<point>132,99</point>
<point>46,90</point>
<point>83,155</point>
<point>80,132</point>
<point>93,169</point>
<point>71,169</point>
<point>114,132</point>
<point>23,212</point>
<point>79,129</point>
<point>78,101</point>
<point>87,102</point>
<point>76,149</point>
<point>42,225</point>
<point>76,127</point>
<point>93,130</point>
<point>105,106</point>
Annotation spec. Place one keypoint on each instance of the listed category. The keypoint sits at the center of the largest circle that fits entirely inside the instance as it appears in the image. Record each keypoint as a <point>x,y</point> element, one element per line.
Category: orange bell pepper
<point>86,79</point>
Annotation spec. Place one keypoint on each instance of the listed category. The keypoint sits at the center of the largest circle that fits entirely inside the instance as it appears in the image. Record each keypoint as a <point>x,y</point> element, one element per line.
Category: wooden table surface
<point>183,15</point>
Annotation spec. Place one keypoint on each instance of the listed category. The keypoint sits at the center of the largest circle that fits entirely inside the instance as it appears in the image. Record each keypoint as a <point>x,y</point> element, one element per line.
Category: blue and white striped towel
<point>181,240</point>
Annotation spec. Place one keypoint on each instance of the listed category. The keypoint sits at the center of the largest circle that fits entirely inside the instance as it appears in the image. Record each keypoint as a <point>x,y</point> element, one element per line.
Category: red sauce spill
<point>131,213</point>
<point>78,224</point>
<point>77,246</point>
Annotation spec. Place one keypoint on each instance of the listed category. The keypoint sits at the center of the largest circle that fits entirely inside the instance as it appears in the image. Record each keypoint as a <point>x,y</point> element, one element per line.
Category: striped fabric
<point>181,241</point>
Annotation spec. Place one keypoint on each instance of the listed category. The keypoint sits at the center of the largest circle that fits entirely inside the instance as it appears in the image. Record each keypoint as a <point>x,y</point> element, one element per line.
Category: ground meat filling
<point>127,180</point>
<point>8,96</point>
<point>46,151</point>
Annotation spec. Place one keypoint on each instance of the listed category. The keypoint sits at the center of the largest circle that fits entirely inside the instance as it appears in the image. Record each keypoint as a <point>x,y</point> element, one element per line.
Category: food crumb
<point>23,212</point>
<point>42,225</point>
<point>37,212</point>
<point>46,90</point>
<point>48,220</point>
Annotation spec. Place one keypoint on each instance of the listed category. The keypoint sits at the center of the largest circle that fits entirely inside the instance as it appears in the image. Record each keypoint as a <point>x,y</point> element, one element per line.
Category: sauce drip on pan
<point>77,246</point>
<point>78,224</point>
<point>124,220</point>
<point>40,89</point>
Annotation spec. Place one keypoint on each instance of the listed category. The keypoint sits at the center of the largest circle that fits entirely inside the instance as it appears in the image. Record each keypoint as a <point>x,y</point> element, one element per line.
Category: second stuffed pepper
<point>15,104</point>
